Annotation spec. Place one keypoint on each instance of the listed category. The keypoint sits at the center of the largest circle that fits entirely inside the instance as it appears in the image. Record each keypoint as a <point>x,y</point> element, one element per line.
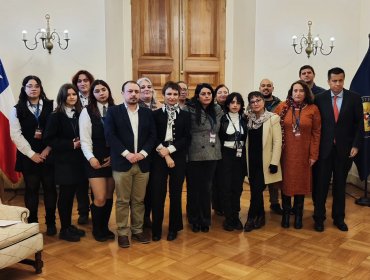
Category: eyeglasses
<point>33,86</point>
<point>255,101</point>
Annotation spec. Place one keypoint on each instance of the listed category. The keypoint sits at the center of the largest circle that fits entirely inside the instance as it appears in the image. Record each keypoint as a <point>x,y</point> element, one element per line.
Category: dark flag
<point>361,85</point>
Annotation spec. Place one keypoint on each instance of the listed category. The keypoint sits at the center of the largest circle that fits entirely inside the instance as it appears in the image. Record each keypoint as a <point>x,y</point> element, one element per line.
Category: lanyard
<point>36,111</point>
<point>74,124</point>
<point>296,120</point>
<point>237,133</point>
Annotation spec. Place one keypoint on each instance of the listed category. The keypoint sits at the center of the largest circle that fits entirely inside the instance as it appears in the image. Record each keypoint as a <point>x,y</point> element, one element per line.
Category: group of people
<point>83,140</point>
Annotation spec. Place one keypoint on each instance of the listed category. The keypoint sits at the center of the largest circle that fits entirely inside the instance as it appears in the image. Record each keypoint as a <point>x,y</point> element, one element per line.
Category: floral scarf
<point>254,123</point>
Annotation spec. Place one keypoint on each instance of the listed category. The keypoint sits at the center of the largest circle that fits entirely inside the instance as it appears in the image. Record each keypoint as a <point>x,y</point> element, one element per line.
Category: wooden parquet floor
<point>269,253</point>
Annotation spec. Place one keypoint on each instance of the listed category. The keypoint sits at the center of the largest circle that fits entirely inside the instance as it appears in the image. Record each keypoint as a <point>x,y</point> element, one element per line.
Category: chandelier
<point>311,44</point>
<point>47,38</point>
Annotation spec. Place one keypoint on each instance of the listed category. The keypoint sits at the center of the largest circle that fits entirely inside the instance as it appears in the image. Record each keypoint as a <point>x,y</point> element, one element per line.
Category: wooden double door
<point>179,40</point>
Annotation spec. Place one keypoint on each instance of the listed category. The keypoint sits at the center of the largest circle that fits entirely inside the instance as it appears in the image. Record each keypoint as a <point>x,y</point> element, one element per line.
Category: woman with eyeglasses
<point>97,154</point>
<point>27,123</point>
<point>233,166</point>
<point>301,125</point>
<point>204,152</point>
<point>263,156</point>
<point>62,135</point>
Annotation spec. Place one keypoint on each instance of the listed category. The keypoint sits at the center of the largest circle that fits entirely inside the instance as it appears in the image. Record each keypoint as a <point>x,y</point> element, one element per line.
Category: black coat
<point>69,162</point>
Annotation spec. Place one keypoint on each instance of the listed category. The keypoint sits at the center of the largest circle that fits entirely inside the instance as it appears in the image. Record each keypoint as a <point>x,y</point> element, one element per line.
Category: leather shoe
<point>227,225</point>
<point>204,228</point>
<point>341,226</point>
<point>51,230</point>
<point>156,237</point>
<point>249,225</point>
<point>238,224</point>
<point>319,226</point>
<point>195,228</point>
<point>140,237</point>
<point>123,241</point>
<point>171,235</point>
<point>276,208</point>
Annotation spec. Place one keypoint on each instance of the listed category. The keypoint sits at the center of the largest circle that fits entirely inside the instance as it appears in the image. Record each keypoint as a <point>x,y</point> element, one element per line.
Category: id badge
<point>239,152</point>
<point>38,133</point>
<point>212,138</point>
<point>297,132</point>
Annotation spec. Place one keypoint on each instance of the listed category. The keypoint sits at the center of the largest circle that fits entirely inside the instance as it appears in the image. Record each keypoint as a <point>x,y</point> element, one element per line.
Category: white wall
<point>85,19</point>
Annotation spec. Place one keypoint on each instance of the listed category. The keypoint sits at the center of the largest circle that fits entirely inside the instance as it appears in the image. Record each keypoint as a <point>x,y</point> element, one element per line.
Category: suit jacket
<point>180,131</point>
<point>349,129</point>
<point>120,136</point>
<point>271,148</point>
<point>200,148</point>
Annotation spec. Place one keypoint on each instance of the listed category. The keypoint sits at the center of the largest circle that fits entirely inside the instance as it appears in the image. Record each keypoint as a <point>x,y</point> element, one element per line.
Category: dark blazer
<point>120,137</point>
<point>349,129</point>
<point>180,132</point>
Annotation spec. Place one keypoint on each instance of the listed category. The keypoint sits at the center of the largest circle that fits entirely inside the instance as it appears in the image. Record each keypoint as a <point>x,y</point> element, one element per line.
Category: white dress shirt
<point>86,131</point>
<point>134,120</point>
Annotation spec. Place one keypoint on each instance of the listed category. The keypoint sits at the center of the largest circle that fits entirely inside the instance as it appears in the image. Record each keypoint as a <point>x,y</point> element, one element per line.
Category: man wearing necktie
<point>341,137</point>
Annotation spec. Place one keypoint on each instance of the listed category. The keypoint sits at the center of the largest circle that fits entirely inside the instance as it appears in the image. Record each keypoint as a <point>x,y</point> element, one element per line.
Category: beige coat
<point>271,148</point>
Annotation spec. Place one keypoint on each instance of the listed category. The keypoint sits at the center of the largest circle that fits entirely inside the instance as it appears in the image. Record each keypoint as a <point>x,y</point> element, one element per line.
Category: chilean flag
<point>7,147</point>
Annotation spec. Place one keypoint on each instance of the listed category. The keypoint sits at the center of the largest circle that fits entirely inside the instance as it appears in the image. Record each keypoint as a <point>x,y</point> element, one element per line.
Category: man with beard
<point>307,74</point>
<point>130,132</point>
<point>271,101</point>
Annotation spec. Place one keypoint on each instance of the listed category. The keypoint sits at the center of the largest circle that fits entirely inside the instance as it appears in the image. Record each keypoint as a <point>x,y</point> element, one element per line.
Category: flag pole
<point>365,200</point>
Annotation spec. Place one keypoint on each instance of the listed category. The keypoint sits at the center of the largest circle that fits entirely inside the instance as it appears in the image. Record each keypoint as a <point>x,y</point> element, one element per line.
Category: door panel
<point>179,40</point>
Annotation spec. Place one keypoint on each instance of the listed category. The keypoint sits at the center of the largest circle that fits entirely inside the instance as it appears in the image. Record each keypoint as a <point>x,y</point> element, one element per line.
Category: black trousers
<point>232,178</point>
<point>44,176</point>
<point>65,204</point>
<point>200,176</point>
<point>337,165</point>
<point>257,186</point>
<point>217,186</point>
<point>158,184</point>
<point>83,201</point>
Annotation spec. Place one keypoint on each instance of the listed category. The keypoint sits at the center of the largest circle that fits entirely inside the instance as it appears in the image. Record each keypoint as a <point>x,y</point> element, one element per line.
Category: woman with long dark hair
<point>97,154</point>
<point>27,123</point>
<point>301,124</point>
<point>204,152</point>
<point>233,166</point>
<point>62,134</point>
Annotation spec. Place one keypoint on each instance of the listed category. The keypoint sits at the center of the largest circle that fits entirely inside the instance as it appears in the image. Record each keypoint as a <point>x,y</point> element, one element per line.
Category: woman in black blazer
<point>27,122</point>
<point>173,137</point>
<point>233,166</point>
<point>97,154</point>
<point>62,135</point>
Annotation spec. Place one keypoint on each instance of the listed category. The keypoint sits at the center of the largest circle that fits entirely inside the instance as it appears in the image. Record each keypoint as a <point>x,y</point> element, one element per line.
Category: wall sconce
<point>311,44</point>
<point>47,37</point>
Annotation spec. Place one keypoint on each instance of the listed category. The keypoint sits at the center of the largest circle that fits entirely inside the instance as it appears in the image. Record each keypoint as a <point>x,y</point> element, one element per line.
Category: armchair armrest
<point>15,213</point>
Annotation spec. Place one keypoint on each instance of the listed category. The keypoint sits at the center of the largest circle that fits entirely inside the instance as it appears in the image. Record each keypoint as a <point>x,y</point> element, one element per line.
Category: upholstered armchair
<point>20,240</point>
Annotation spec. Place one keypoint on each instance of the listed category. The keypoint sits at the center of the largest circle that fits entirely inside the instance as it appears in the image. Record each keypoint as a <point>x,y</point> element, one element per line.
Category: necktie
<point>335,108</point>
<point>104,111</point>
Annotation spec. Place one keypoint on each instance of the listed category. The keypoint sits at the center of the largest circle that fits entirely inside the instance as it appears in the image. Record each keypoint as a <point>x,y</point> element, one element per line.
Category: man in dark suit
<point>341,136</point>
<point>130,132</point>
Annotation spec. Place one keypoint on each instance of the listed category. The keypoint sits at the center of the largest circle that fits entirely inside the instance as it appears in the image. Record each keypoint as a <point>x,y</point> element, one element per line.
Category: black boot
<point>97,215</point>
<point>286,211</point>
<point>50,222</point>
<point>259,222</point>
<point>107,212</point>
<point>299,201</point>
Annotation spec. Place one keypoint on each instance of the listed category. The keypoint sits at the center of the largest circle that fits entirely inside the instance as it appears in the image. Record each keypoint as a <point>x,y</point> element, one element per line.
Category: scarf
<point>254,123</point>
<point>171,112</point>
